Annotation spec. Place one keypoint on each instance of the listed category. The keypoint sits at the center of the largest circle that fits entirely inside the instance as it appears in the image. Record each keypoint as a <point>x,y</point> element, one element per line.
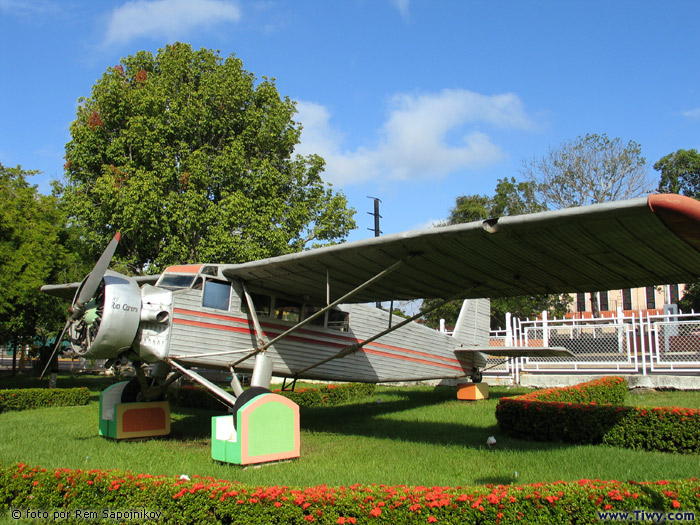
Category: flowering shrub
<point>209,500</point>
<point>592,413</point>
<point>26,398</point>
<point>196,397</point>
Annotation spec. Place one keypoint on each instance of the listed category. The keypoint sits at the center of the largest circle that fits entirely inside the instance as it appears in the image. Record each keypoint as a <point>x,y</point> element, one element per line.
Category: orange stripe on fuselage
<point>371,348</point>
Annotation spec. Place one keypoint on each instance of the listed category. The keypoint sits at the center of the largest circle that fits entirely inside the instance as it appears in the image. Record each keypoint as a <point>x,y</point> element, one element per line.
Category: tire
<point>132,392</point>
<point>247,395</point>
<point>477,377</point>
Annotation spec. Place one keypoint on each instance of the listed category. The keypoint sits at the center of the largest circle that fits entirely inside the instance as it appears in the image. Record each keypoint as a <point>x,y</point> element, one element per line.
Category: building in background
<point>649,300</point>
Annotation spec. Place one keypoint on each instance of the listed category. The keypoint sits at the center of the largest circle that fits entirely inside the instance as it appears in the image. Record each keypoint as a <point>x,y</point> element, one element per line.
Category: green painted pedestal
<point>267,429</point>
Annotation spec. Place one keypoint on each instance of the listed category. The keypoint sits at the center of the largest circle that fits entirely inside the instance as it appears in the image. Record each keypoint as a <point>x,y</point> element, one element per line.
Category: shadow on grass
<point>373,419</point>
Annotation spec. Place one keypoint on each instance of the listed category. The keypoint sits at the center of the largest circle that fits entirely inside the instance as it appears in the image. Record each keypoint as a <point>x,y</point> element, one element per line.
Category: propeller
<point>87,292</point>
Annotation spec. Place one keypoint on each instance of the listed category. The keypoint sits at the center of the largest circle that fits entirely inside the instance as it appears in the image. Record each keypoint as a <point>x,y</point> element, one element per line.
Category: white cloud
<point>692,113</point>
<point>403,7</point>
<point>418,138</point>
<point>170,19</point>
<point>28,7</point>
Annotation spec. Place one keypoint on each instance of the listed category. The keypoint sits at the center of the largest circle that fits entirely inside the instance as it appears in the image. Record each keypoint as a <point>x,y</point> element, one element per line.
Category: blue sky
<point>412,101</point>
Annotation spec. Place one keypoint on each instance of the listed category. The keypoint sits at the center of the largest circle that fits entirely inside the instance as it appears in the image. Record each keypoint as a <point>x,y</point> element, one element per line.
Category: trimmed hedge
<point>26,398</point>
<point>167,499</point>
<point>324,395</point>
<point>328,395</point>
<point>592,413</point>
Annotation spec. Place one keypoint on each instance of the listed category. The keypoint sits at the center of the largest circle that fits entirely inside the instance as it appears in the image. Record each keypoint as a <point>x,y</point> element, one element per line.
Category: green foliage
<point>323,395</point>
<point>593,413</point>
<point>328,395</point>
<point>26,398</point>
<point>510,198</point>
<point>208,500</point>
<point>680,173</point>
<point>669,429</point>
<point>191,158</point>
<point>34,250</point>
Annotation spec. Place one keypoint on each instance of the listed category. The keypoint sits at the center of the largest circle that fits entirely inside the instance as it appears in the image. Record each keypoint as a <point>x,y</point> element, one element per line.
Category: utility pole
<point>377,231</point>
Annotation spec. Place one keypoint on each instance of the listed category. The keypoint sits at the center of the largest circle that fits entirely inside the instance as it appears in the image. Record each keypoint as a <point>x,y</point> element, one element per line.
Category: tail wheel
<point>477,376</point>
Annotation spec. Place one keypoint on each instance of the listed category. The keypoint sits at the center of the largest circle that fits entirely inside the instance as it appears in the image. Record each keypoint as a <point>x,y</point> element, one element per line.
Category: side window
<point>261,302</point>
<point>217,295</point>
<point>338,320</point>
<point>287,310</point>
<point>311,310</point>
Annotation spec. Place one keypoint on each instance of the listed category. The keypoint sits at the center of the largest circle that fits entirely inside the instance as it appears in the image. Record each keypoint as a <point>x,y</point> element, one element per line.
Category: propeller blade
<point>55,349</point>
<point>93,281</point>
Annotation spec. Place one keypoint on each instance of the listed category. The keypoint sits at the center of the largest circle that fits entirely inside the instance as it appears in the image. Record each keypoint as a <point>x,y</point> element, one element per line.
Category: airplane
<point>305,315</point>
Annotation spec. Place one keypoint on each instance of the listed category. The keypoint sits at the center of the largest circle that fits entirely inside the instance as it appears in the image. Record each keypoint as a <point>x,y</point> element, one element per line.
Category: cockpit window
<point>209,270</point>
<point>173,281</point>
<point>216,295</point>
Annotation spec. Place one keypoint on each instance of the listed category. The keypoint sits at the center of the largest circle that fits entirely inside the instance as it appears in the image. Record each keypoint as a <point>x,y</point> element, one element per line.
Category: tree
<point>511,198</point>
<point>191,158</point>
<point>680,173</point>
<point>34,250</point>
<point>589,170</point>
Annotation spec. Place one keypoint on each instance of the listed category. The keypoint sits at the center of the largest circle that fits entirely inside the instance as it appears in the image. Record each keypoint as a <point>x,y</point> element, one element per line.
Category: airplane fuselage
<point>209,325</point>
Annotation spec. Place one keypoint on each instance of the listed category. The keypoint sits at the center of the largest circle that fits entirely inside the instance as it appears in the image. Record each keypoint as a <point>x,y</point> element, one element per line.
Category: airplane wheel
<point>247,395</point>
<point>477,377</point>
<point>132,392</point>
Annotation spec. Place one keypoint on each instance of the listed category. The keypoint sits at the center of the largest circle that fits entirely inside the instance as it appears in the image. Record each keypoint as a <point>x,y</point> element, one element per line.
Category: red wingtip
<point>117,236</point>
<point>680,214</point>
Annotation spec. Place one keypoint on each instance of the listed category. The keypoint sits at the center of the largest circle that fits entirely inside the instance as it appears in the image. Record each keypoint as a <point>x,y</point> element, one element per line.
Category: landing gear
<point>477,376</point>
<point>132,392</point>
<point>152,388</point>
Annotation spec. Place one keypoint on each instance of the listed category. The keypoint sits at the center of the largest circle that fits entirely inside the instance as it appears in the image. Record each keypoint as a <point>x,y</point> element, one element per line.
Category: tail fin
<point>474,323</point>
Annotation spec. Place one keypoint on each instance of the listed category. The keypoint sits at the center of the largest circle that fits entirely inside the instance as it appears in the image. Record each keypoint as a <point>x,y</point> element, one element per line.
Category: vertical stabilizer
<point>474,323</point>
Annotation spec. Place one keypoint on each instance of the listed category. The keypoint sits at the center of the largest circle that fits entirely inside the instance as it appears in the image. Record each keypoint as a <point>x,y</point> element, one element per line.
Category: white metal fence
<point>629,343</point>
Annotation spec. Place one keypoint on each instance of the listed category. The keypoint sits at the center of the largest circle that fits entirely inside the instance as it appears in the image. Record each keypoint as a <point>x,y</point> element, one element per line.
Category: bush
<point>328,395</point>
<point>324,395</point>
<point>26,398</point>
<point>165,499</point>
<point>190,396</point>
<point>592,413</point>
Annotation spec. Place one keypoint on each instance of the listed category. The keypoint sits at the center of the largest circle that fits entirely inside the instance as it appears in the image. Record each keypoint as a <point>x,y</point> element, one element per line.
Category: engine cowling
<point>110,320</point>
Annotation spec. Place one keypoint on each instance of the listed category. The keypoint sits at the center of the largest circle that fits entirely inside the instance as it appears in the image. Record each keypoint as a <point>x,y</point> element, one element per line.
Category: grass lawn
<point>401,435</point>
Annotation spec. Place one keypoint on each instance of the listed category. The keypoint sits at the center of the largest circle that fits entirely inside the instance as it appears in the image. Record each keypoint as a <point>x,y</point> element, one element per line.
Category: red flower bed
<point>208,500</point>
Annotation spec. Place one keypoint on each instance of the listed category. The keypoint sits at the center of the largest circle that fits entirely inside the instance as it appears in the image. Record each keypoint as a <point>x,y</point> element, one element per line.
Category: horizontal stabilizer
<point>519,351</point>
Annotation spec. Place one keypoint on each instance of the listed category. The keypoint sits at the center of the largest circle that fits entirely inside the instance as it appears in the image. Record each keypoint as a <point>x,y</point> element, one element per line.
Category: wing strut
<point>351,349</point>
<point>322,311</point>
<point>251,308</point>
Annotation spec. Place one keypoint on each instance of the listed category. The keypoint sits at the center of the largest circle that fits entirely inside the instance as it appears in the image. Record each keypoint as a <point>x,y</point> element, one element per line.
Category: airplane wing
<point>67,291</point>
<point>640,242</point>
